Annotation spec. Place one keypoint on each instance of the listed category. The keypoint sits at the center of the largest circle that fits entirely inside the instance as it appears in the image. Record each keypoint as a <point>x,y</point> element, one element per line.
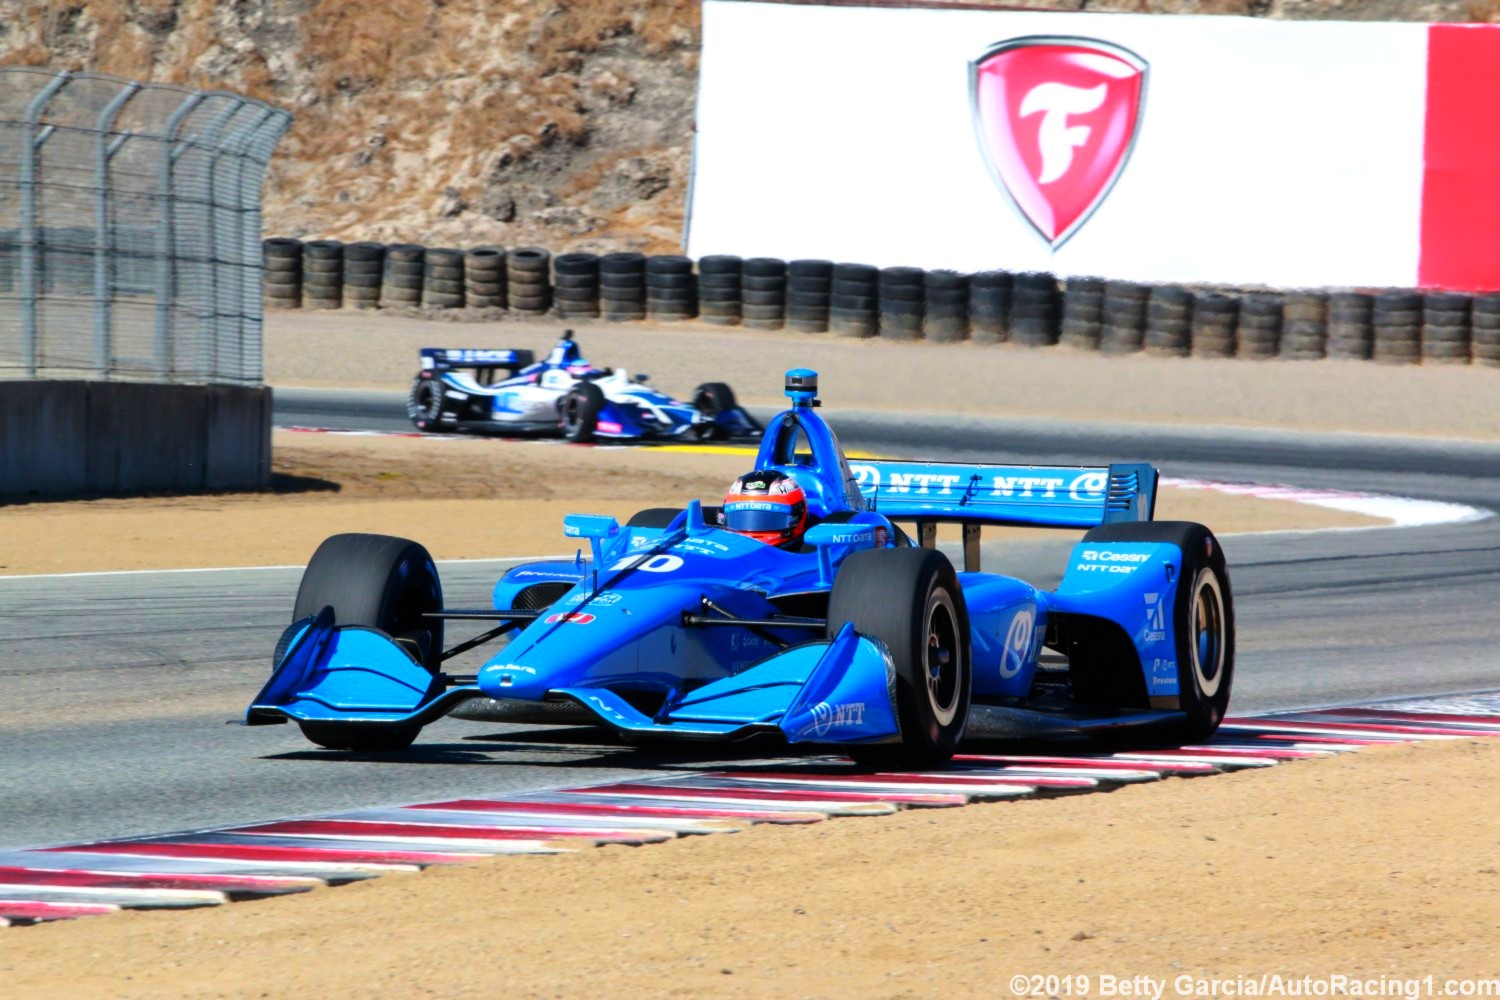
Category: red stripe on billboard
<point>1460,213</point>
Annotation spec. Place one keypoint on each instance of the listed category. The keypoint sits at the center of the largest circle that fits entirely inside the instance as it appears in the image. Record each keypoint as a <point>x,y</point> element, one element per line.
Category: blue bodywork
<point>622,629</point>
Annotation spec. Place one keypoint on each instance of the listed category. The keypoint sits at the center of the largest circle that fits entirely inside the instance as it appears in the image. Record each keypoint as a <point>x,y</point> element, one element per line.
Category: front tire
<point>910,600</point>
<point>379,582</point>
<point>579,412</point>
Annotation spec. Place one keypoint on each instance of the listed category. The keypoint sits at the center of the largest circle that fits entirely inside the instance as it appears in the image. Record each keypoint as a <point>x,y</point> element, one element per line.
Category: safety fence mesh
<point>130,229</point>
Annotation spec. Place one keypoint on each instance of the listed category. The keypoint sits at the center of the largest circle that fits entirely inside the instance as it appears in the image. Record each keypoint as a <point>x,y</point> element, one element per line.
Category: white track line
<point>1402,512</point>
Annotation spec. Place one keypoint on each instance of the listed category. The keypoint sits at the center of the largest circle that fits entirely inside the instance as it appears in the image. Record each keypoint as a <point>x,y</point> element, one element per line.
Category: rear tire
<point>1202,620</point>
<point>379,582</point>
<point>579,412</point>
<point>712,399</point>
<point>424,405</point>
<point>909,599</point>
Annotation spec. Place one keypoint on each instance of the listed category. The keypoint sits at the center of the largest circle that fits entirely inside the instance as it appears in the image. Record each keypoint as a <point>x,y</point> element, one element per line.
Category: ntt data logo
<point>1056,119</point>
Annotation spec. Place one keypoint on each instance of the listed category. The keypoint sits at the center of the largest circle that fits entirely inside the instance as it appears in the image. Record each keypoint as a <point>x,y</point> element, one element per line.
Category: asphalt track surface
<point>117,687</point>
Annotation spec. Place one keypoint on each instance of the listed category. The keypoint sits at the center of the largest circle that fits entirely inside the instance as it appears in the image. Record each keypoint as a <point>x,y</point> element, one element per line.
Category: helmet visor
<point>755,515</point>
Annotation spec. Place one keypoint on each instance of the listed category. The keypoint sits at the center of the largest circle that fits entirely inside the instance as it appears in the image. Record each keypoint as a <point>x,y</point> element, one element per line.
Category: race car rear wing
<point>1043,496</point>
<point>472,357</point>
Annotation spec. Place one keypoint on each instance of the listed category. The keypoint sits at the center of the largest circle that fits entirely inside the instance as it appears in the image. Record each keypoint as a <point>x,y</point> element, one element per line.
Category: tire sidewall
<point>425,413</point>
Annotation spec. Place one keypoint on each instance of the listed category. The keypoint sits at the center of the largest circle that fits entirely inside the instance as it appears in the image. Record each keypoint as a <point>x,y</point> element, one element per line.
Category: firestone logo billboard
<point>1056,119</point>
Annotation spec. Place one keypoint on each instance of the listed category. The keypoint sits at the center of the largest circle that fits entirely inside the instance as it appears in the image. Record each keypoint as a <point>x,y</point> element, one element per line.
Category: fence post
<point>104,150</point>
<point>32,138</point>
<point>211,139</point>
<point>166,235</point>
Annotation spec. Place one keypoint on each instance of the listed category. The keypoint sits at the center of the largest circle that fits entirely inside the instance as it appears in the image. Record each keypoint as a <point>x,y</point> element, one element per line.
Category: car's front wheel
<point>909,599</point>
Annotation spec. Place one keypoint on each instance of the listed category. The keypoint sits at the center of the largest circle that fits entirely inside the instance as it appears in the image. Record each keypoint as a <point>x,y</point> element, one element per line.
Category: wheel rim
<point>941,657</point>
<point>429,403</point>
<point>1206,630</point>
<point>570,413</point>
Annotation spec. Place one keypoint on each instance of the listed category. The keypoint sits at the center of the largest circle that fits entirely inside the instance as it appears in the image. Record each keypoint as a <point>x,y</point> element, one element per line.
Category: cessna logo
<point>1056,119</point>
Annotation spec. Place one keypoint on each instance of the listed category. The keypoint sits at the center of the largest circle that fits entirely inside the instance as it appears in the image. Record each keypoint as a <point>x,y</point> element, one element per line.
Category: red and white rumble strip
<point>211,867</point>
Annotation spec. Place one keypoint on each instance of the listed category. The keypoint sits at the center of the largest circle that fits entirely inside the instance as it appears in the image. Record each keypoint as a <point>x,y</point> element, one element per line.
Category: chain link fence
<point>130,231</point>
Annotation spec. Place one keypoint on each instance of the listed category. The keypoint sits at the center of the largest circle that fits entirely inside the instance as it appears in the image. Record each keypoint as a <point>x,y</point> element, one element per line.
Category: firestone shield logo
<point>1056,120</point>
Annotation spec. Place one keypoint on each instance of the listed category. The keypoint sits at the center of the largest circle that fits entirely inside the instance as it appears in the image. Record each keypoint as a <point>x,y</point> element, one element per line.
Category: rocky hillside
<point>559,122</point>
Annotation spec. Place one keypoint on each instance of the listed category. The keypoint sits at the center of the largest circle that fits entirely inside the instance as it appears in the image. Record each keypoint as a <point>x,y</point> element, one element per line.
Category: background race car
<point>505,391</point>
<point>858,636</point>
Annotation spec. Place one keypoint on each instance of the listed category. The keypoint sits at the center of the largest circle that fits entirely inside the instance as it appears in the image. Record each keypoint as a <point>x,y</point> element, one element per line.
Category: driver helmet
<point>767,506</point>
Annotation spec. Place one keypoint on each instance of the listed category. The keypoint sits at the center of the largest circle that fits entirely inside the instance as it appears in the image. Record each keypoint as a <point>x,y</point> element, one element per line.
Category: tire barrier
<point>947,306</point>
<point>1033,309</point>
<point>401,285</point>
<point>671,288</point>
<point>762,294</point>
<point>1304,329</point>
<point>1124,330</point>
<point>484,278</point>
<point>1082,314</point>
<point>1215,317</point>
<point>854,300</point>
<point>902,292</point>
<point>1258,333</point>
<point>364,267</point>
<point>528,285</point>
<point>1169,321</point>
<point>989,307</point>
<point>283,276</point>
<point>575,285</point>
<point>622,286</point>
<point>322,274</point>
<point>1484,328</point>
<point>1445,329</point>
<point>1350,334</point>
<point>1397,327</point>
<point>443,278</point>
<point>809,284</point>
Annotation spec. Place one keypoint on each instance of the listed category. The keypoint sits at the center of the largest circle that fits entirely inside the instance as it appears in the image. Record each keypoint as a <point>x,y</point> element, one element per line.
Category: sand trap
<point>462,497</point>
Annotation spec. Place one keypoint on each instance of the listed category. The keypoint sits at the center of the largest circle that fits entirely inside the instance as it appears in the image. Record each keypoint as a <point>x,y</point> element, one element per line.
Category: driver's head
<point>768,506</point>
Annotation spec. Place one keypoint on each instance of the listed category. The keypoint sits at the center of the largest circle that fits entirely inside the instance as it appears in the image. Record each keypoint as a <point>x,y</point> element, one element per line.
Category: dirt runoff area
<point>1308,869</point>
<point>464,498</point>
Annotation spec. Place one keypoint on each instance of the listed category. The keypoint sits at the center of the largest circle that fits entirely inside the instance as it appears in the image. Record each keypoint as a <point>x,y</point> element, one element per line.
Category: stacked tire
<point>1169,321</point>
<point>1124,330</point>
<point>575,285</point>
<point>947,306</point>
<point>443,278</point>
<point>1082,314</point>
<point>671,288</point>
<point>720,289</point>
<point>1484,325</point>
<point>1215,317</point>
<point>1033,309</point>
<point>1396,323</point>
<point>364,265</point>
<point>528,289</point>
<point>622,286</point>
<point>1350,333</point>
<point>1258,334</point>
<point>1304,326</point>
<point>282,282</point>
<point>989,307</point>
<point>322,274</point>
<point>401,285</point>
<point>484,278</point>
<point>854,302</point>
<point>1445,329</point>
<point>809,284</point>
<point>763,293</point>
<point>902,291</point>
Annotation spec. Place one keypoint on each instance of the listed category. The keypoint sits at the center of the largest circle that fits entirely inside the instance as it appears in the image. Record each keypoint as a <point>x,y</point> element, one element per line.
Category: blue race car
<point>507,391</point>
<point>861,637</point>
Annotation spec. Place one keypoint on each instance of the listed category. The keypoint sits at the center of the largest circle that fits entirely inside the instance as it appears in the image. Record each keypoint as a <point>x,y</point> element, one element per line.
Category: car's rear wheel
<point>909,599</point>
<point>424,405</point>
<point>1202,621</point>
<point>712,399</point>
<point>579,412</point>
<point>380,582</point>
